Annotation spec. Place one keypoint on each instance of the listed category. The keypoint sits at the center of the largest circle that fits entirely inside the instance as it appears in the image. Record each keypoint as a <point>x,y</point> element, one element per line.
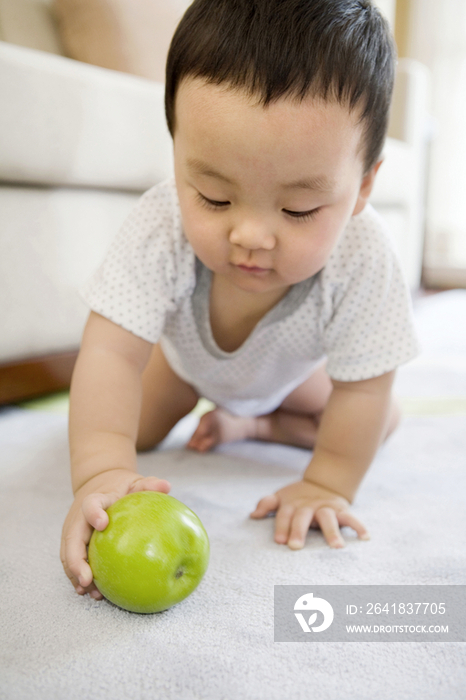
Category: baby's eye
<point>303,215</point>
<point>211,203</point>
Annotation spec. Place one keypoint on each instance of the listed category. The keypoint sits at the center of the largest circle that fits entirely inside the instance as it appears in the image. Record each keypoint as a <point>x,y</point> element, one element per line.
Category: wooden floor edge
<point>37,376</point>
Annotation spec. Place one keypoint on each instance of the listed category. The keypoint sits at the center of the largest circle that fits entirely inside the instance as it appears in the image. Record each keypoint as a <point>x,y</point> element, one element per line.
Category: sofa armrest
<point>70,123</point>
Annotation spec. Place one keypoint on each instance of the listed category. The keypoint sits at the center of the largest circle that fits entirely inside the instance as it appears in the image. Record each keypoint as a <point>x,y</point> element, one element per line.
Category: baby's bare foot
<point>219,426</point>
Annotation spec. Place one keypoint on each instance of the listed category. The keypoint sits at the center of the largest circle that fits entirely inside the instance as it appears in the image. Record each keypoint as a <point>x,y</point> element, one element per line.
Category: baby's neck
<point>234,312</point>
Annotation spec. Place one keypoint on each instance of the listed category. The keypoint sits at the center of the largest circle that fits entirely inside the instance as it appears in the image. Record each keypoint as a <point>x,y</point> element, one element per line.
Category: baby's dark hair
<point>332,49</point>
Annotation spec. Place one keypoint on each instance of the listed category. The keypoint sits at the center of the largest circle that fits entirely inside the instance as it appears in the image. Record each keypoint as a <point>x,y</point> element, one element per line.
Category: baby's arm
<point>105,401</point>
<point>352,427</point>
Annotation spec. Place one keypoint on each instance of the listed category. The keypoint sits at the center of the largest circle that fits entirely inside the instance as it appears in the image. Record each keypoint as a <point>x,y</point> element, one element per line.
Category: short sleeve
<point>149,265</point>
<point>368,327</point>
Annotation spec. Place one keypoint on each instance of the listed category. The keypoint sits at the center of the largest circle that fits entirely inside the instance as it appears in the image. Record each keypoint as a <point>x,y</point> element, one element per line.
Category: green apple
<point>152,554</point>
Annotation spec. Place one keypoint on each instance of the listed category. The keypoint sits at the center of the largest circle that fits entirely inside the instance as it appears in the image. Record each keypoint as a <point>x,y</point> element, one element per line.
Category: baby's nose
<point>253,235</point>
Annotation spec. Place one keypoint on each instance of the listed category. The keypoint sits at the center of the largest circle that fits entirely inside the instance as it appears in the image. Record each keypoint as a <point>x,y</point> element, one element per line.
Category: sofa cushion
<point>126,35</point>
<point>68,123</point>
<point>51,241</point>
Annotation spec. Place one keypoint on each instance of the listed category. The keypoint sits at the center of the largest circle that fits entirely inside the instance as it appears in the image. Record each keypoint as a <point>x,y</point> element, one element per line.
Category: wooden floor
<point>34,377</point>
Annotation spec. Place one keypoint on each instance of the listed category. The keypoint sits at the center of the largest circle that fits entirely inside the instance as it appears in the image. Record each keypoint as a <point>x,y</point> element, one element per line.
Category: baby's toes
<point>203,437</point>
<point>206,443</point>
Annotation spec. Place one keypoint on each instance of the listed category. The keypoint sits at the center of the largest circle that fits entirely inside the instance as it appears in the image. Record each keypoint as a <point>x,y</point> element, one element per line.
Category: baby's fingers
<point>74,554</point>
<point>328,522</point>
<point>95,505</point>
<point>300,527</point>
<point>347,518</point>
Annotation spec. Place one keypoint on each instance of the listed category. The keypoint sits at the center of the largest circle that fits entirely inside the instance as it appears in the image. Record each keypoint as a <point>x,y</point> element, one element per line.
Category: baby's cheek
<point>324,243</point>
<point>209,248</point>
<point>306,261</point>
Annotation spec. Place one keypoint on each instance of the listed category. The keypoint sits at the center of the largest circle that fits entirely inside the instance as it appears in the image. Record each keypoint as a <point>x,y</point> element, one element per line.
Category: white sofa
<point>79,144</point>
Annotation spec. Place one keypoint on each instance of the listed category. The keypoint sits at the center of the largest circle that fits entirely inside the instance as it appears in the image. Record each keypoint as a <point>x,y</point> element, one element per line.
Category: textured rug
<point>219,642</point>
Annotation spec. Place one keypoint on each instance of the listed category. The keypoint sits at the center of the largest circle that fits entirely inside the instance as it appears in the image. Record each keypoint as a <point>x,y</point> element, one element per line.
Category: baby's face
<point>265,192</point>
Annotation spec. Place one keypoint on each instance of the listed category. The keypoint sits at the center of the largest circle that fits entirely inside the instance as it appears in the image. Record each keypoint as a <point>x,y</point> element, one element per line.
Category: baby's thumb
<point>151,483</point>
<point>94,507</point>
<point>266,505</point>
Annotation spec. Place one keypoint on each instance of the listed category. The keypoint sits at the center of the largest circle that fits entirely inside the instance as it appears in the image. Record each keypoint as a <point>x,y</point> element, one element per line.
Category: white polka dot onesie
<point>356,312</point>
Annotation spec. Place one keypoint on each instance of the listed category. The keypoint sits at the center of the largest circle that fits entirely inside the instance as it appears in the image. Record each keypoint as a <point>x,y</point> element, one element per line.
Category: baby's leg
<point>295,422</point>
<point>298,418</point>
<point>165,400</point>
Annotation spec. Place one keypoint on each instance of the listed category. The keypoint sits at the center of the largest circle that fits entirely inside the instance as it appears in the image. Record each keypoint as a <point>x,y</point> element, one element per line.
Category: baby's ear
<point>365,190</point>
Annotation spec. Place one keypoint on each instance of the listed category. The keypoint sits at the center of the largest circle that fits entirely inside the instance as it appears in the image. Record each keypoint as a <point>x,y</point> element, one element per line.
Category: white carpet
<point>218,643</point>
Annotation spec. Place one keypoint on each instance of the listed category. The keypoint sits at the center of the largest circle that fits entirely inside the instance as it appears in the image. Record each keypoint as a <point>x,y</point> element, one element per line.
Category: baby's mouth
<point>253,269</point>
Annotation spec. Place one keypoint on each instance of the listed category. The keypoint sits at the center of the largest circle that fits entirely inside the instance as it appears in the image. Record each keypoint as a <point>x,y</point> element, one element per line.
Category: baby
<point>258,277</point>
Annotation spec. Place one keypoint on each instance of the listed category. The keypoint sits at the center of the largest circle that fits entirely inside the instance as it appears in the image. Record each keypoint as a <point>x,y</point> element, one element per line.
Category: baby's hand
<point>88,513</point>
<point>302,505</point>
